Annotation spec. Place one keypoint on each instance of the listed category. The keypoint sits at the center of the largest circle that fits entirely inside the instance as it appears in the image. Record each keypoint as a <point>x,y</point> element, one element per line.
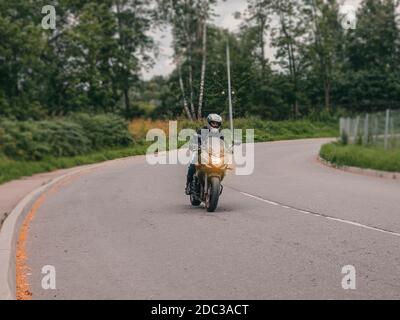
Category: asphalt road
<point>127,231</point>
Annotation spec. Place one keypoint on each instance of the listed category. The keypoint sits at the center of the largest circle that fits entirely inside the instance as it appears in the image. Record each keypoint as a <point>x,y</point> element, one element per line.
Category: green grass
<point>13,169</point>
<point>286,130</point>
<point>290,130</point>
<point>264,131</point>
<point>362,156</point>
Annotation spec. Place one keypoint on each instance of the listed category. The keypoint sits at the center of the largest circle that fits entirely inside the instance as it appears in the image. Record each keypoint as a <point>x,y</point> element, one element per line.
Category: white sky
<point>225,18</point>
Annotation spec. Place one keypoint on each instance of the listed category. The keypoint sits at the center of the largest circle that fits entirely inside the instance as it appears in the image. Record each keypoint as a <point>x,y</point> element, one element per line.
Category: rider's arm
<point>194,143</point>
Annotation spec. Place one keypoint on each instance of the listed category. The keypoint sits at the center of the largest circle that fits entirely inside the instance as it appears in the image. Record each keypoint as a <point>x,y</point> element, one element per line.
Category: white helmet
<point>214,122</point>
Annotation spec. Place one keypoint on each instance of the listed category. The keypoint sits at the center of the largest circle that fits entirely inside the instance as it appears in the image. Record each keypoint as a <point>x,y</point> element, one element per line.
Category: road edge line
<point>10,231</point>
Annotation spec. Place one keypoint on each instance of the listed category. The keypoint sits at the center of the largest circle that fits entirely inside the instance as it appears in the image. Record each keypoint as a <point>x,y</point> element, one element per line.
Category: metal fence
<point>378,129</point>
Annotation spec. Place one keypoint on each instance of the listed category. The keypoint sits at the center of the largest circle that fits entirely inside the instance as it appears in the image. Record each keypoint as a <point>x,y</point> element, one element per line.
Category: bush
<point>104,131</point>
<point>77,135</point>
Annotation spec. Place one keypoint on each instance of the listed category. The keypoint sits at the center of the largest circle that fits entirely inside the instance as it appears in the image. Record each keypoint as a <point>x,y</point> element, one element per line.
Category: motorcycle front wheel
<point>214,189</point>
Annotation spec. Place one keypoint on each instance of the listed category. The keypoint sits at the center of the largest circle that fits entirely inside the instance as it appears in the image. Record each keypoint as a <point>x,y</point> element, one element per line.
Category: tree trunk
<point>292,65</point>
<point>189,44</point>
<point>324,61</point>
<point>185,104</point>
<point>262,47</point>
<point>203,70</point>
<point>191,86</point>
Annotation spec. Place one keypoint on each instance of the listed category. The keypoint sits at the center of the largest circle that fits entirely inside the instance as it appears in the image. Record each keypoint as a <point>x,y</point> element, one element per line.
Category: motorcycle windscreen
<point>212,151</point>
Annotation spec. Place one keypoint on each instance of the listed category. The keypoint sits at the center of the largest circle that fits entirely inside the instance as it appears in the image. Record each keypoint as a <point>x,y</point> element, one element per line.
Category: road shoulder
<point>365,172</point>
<point>16,199</point>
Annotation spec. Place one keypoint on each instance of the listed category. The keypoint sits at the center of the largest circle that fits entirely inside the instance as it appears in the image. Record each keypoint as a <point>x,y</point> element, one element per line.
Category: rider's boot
<point>189,179</point>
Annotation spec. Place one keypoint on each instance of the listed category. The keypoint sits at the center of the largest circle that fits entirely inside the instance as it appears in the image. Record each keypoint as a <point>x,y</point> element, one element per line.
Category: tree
<point>265,88</point>
<point>372,80</point>
<point>324,43</point>
<point>21,67</point>
<point>133,23</point>
<point>188,19</point>
<point>204,12</point>
<point>288,39</point>
<point>90,62</point>
<point>260,12</point>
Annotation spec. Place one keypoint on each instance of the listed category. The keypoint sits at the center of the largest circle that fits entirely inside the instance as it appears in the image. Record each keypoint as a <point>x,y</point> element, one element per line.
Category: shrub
<point>77,135</point>
<point>105,130</point>
<point>30,140</point>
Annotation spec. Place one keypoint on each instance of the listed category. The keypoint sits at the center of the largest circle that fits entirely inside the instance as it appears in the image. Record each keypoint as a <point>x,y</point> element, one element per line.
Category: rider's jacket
<point>201,135</point>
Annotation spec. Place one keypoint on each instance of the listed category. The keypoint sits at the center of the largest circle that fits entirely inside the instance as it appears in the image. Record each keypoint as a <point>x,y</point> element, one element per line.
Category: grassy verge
<point>362,157</point>
<point>291,130</point>
<point>264,131</point>
<point>13,169</point>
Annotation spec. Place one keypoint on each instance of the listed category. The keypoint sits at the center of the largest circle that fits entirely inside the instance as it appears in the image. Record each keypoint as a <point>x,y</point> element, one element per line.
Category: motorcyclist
<point>214,123</point>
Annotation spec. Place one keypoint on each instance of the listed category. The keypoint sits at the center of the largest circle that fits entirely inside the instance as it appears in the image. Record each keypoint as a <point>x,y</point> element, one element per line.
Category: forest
<point>93,61</point>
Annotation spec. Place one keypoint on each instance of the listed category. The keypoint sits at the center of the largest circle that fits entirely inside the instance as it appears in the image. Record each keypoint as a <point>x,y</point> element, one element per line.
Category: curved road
<point>127,231</point>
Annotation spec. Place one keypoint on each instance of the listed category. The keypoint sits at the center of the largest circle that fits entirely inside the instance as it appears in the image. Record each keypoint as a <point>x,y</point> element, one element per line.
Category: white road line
<point>321,215</point>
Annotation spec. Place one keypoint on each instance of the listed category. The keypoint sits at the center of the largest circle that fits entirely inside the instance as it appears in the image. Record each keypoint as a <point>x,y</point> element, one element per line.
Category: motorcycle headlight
<point>216,161</point>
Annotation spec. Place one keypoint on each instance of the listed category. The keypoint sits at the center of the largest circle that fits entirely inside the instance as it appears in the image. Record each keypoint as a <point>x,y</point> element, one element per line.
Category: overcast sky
<point>225,18</point>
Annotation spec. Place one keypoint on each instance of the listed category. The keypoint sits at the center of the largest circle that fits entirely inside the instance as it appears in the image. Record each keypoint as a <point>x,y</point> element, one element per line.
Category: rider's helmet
<point>214,122</point>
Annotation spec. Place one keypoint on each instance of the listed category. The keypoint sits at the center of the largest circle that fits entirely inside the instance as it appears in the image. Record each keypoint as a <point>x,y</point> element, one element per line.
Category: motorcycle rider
<point>214,123</point>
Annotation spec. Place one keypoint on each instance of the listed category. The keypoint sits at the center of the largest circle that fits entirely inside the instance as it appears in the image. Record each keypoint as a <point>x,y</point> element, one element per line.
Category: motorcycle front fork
<point>205,190</point>
<point>205,186</point>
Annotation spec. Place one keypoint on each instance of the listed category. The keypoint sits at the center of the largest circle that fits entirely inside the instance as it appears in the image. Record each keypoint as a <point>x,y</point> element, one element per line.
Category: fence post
<point>392,132</point>
<point>356,129</point>
<point>341,126</point>
<point>366,127</point>
<point>387,129</point>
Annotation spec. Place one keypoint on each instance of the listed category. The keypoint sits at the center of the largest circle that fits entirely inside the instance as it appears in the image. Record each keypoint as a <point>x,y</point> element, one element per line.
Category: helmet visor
<point>215,124</point>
